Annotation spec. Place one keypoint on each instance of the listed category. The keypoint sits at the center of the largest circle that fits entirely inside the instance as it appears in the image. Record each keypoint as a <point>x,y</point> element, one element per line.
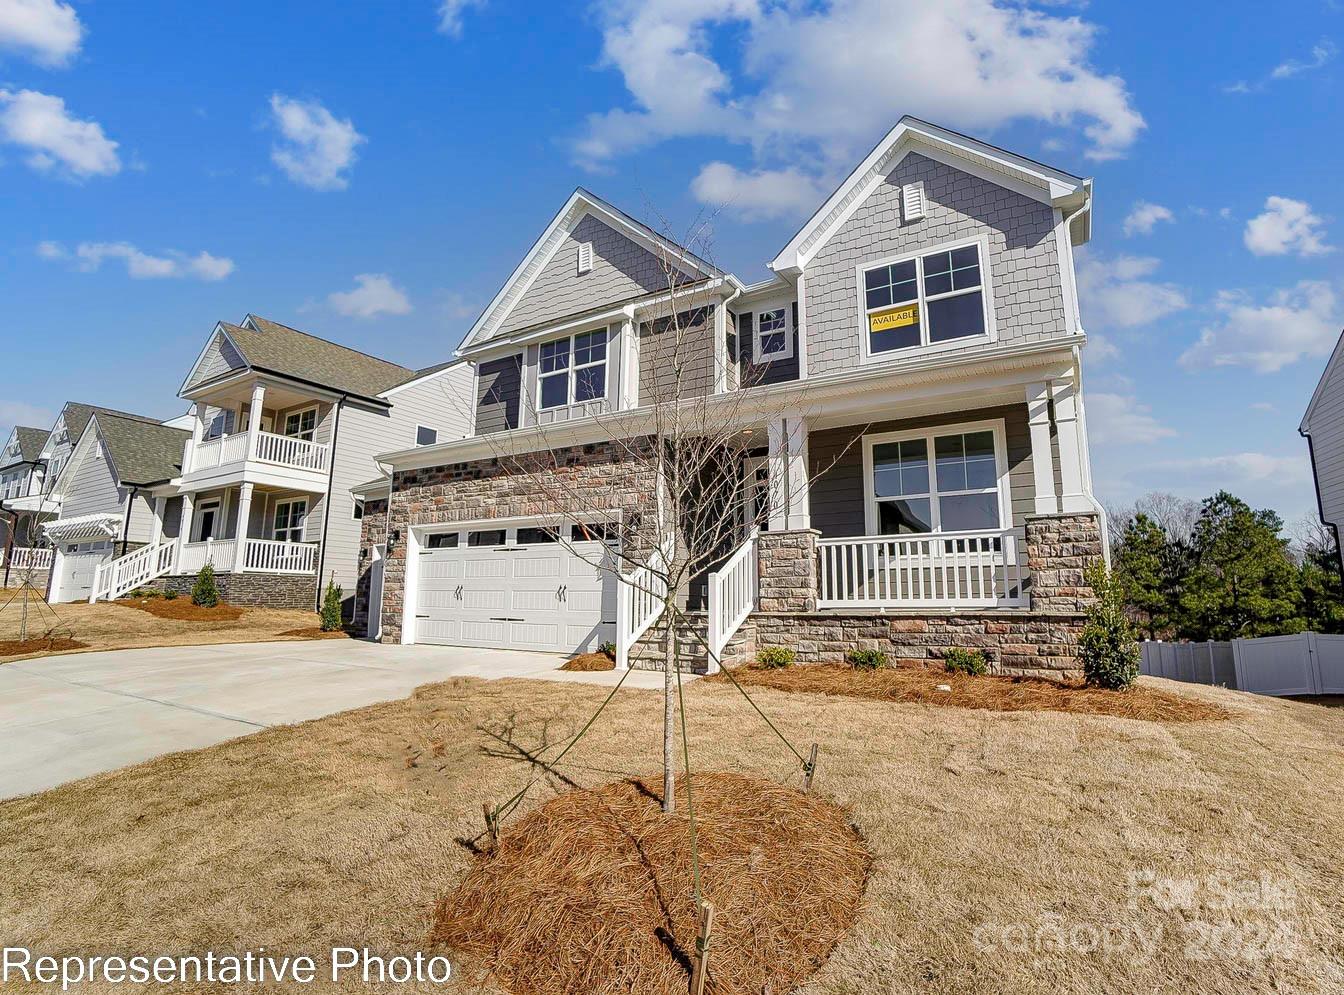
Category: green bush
<point>607,649</point>
<point>775,657</point>
<point>145,592</point>
<point>169,595</point>
<point>205,592</point>
<point>1108,648</point>
<point>867,659</point>
<point>960,661</point>
<point>331,606</point>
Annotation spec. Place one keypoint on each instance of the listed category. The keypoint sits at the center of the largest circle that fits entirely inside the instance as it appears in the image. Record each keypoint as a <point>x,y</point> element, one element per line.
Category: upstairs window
<point>572,371</point>
<point>426,436</point>
<point>935,481</point>
<point>925,300</point>
<point>301,424</point>
<point>773,338</point>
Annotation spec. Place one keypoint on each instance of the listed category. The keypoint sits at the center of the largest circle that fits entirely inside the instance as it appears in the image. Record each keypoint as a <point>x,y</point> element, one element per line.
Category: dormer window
<point>773,335</point>
<point>572,371</point>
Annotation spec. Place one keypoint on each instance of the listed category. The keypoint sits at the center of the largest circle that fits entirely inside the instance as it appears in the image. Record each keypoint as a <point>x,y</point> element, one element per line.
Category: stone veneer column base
<point>252,590</point>
<point>786,565</point>
<point>1060,548</point>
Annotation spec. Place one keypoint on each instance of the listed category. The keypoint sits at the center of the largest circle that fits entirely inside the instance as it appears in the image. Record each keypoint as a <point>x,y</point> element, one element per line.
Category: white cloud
<point>1241,468</point>
<point>1301,321</point>
<point>1143,216</point>
<point>1121,419</point>
<point>1113,293</point>
<point>1321,53</point>
<point>90,256</point>
<point>819,85</point>
<point>1100,349</point>
<point>1264,406</point>
<point>759,195</point>
<point>1286,226</point>
<point>450,15</point>
<point>40,123</point>
<point>318,148</point>
<point>47,31</point>
<point>374,294</point>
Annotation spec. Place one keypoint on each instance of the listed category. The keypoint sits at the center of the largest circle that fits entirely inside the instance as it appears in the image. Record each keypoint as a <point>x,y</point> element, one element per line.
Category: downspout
<point>326,505</point>
<point>126,519</point>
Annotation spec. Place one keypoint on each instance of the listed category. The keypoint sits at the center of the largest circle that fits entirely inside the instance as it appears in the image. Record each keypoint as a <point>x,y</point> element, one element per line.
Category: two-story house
<point>916,362</point>
<point>21,476</point>
<point>282,425</point>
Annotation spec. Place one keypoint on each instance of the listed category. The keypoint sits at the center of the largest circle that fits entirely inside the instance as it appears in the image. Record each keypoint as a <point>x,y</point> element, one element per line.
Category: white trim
<point>1046,501</point>
<point>299,413</point>
<point>357,505</point>
<point>303,524</point>
<point>197,507</point>
<point>802,326</point>
<point>1068,283</point>
<point>1331,364</point>
<point>986,289</point>
<point>758,355</point>
<point>933,432</point>
<point>217,332</point>
<point>415,436</point>
<point>421,379</point>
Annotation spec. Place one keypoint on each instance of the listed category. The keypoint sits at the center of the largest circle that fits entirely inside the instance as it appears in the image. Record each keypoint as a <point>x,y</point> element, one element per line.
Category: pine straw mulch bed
<point>315,632</point>
<point>40,644</point>
<point>995,693</point>
<point>592,891</point>
<point>182,609</point>
<point>588,663</point>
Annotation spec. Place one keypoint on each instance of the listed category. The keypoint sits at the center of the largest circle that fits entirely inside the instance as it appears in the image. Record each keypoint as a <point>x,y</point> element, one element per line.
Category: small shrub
<point>961,661</point>
<point>205,592</point>
<point>607,648</point>
<point>331,606</point>
<point>1108,647</point>
<point>169,595</point>
<point>145,592</point>
<point>775,657</point>
<point>867,659</point>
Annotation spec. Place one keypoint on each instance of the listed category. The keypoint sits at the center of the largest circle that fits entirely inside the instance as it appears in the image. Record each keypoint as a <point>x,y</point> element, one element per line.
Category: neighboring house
<point>283,425</point>
<point>1323,428</point>
<point>116,497</point>
<point>927,312</point>
<point>21,476</point>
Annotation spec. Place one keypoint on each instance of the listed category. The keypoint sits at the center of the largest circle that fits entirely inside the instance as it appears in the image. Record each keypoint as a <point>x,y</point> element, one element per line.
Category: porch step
<point>126,573</point>
<point>692,634</point>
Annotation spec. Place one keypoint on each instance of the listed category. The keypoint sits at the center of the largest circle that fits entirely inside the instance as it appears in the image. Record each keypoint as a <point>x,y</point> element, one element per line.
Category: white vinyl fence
<point>1307,663</point>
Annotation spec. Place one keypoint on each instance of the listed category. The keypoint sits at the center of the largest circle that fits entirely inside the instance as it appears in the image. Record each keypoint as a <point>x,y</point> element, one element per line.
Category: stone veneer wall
<point>372,532</point>
<point>786,566</point>
<point>1059,550</point>
<point>537,484</point>
<point>252,590</point>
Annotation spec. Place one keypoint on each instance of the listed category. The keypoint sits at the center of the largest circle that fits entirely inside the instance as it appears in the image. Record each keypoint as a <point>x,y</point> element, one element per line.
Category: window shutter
<point>585,257</point>
<point>912,200</point>
<point>746,334</point>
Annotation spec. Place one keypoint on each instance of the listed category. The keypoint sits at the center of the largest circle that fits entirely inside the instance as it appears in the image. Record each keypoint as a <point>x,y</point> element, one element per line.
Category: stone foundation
<point>373,532</point>
<point>692,657</point>
<point>787,568</point>
<point>1014,642</point>
<point>1060,548</point>
<point>252,590</point>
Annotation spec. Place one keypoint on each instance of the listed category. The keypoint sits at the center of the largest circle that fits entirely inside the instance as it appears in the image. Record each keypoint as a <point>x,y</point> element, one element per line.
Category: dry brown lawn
<point>114,626</point>
<point>1033,852</point>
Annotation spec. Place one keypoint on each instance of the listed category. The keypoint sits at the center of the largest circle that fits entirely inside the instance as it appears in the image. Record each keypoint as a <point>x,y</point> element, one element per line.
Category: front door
<point>207,521</point>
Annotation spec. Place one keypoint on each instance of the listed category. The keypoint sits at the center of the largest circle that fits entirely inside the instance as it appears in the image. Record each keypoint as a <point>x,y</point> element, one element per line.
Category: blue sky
<point>372,173</point>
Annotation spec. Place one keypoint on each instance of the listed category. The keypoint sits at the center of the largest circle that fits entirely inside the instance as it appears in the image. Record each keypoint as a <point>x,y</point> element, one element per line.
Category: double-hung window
<point>301,424</point>
<point>573,370</point>
<point>289,518</point>
<point>935,481</point>
<point>924,300</point>
<point>773,340</point>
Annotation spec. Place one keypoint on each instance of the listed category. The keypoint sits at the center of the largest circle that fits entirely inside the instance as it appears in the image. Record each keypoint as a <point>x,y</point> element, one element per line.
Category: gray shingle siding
<point>1024,264</point>
<point>220,357</point>
<point>622,270</point>
<point>498,390</point>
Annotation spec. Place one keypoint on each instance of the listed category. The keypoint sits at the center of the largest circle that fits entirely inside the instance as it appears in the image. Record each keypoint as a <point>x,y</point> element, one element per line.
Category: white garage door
<point>516,588</point>
<point>77,567</point>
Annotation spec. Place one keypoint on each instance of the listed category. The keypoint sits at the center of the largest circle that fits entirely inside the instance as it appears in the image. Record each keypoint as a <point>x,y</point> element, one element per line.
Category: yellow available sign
<point>894,317</point>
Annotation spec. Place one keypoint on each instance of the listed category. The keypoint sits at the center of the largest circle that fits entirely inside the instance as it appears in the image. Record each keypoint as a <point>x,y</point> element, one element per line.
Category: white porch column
<point>194,440</point>
<point>788,475</point>
<point>156,526</point>
<point>254,418</point>
<point>1042,460</point>
<point>629,363</point>
<point>1073,499</point>
<point>240,533</point>
<point>184,528</point>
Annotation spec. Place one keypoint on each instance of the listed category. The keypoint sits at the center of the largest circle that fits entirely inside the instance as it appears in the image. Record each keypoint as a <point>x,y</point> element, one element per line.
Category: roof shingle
<point>143,452</point>
<point>278,348</point>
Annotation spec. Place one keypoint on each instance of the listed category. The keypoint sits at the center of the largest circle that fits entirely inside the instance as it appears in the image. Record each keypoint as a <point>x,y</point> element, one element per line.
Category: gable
<point>219,358</point>
<point>622,269</point>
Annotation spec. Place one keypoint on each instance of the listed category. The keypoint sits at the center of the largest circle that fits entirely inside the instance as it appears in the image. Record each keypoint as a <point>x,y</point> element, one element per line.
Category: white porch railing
<point>272,556</point>
<point>289,451</point>
<point>31,558</point>
<point>195,555</point>
<point>217,452</point>
<point>943,570</point>
<point>733,590</point>
<point>639,601</point>
<point>112,580</point>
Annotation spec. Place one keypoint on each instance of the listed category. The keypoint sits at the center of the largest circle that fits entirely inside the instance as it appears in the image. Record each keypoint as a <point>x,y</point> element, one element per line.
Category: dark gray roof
<point>77,417</point>
<point>437,367</point>
<point>31,441</point>
<point>143,452</point>
<point>277,348</point>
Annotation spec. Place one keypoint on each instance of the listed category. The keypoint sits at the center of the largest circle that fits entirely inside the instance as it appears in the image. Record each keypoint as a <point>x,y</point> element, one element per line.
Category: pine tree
<point>331,606</point>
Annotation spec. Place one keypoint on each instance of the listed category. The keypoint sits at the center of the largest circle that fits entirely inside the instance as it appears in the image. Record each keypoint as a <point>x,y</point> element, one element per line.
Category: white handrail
<point>31,558</point>
<point>733,590</point>
<point>126,573</point>
<point>195,555</point>
<point>289,451</point>
<point>640,597</point>
<point>275,556</point>
<point>944,570</point>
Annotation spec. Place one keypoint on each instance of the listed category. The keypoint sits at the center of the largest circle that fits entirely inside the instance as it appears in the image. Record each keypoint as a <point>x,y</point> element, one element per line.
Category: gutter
<point>326,505</point>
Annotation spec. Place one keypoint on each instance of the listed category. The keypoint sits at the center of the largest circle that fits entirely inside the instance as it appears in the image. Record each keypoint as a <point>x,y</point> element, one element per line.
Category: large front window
<point>289,517</point>
<point>572,371</point>
<point>934,481</point>
<point>924,300</point>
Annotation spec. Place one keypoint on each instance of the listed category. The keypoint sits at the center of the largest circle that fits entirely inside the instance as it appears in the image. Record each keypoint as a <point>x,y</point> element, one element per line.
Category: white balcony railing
<point>30,558</point>
<point>271,448</point>
<point>271,556</point>
<point>943,570</point>
<point>194,555</point>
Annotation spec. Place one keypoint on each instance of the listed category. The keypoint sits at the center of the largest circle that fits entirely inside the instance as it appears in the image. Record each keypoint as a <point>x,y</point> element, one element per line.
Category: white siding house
<point>1323,428</point>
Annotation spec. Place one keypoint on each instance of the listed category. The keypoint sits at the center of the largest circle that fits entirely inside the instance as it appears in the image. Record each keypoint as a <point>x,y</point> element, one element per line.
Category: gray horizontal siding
<point>676,358</point>
<point>1327,449</point>
<point>498,391</point>
<point>837,494</point>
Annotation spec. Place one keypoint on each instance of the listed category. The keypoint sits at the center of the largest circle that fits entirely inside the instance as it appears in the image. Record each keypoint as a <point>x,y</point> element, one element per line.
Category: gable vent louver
<point>912,200</point>
<point>585,257</point>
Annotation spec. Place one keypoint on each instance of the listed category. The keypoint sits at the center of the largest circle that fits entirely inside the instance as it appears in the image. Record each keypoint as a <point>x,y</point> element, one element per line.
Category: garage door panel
<point>531,635</point>
<point>434,568</point>
<point>498,567</point>
<point>526,567</point>
<point>534,600</point>
<point>445,629</point>
<point>487,632</point>
<point>584,601</point>
<point>492,601</point>
<point>444,599</point>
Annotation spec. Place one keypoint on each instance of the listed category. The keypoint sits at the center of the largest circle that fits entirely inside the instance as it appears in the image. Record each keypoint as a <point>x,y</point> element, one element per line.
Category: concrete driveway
<point>65,717</point>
